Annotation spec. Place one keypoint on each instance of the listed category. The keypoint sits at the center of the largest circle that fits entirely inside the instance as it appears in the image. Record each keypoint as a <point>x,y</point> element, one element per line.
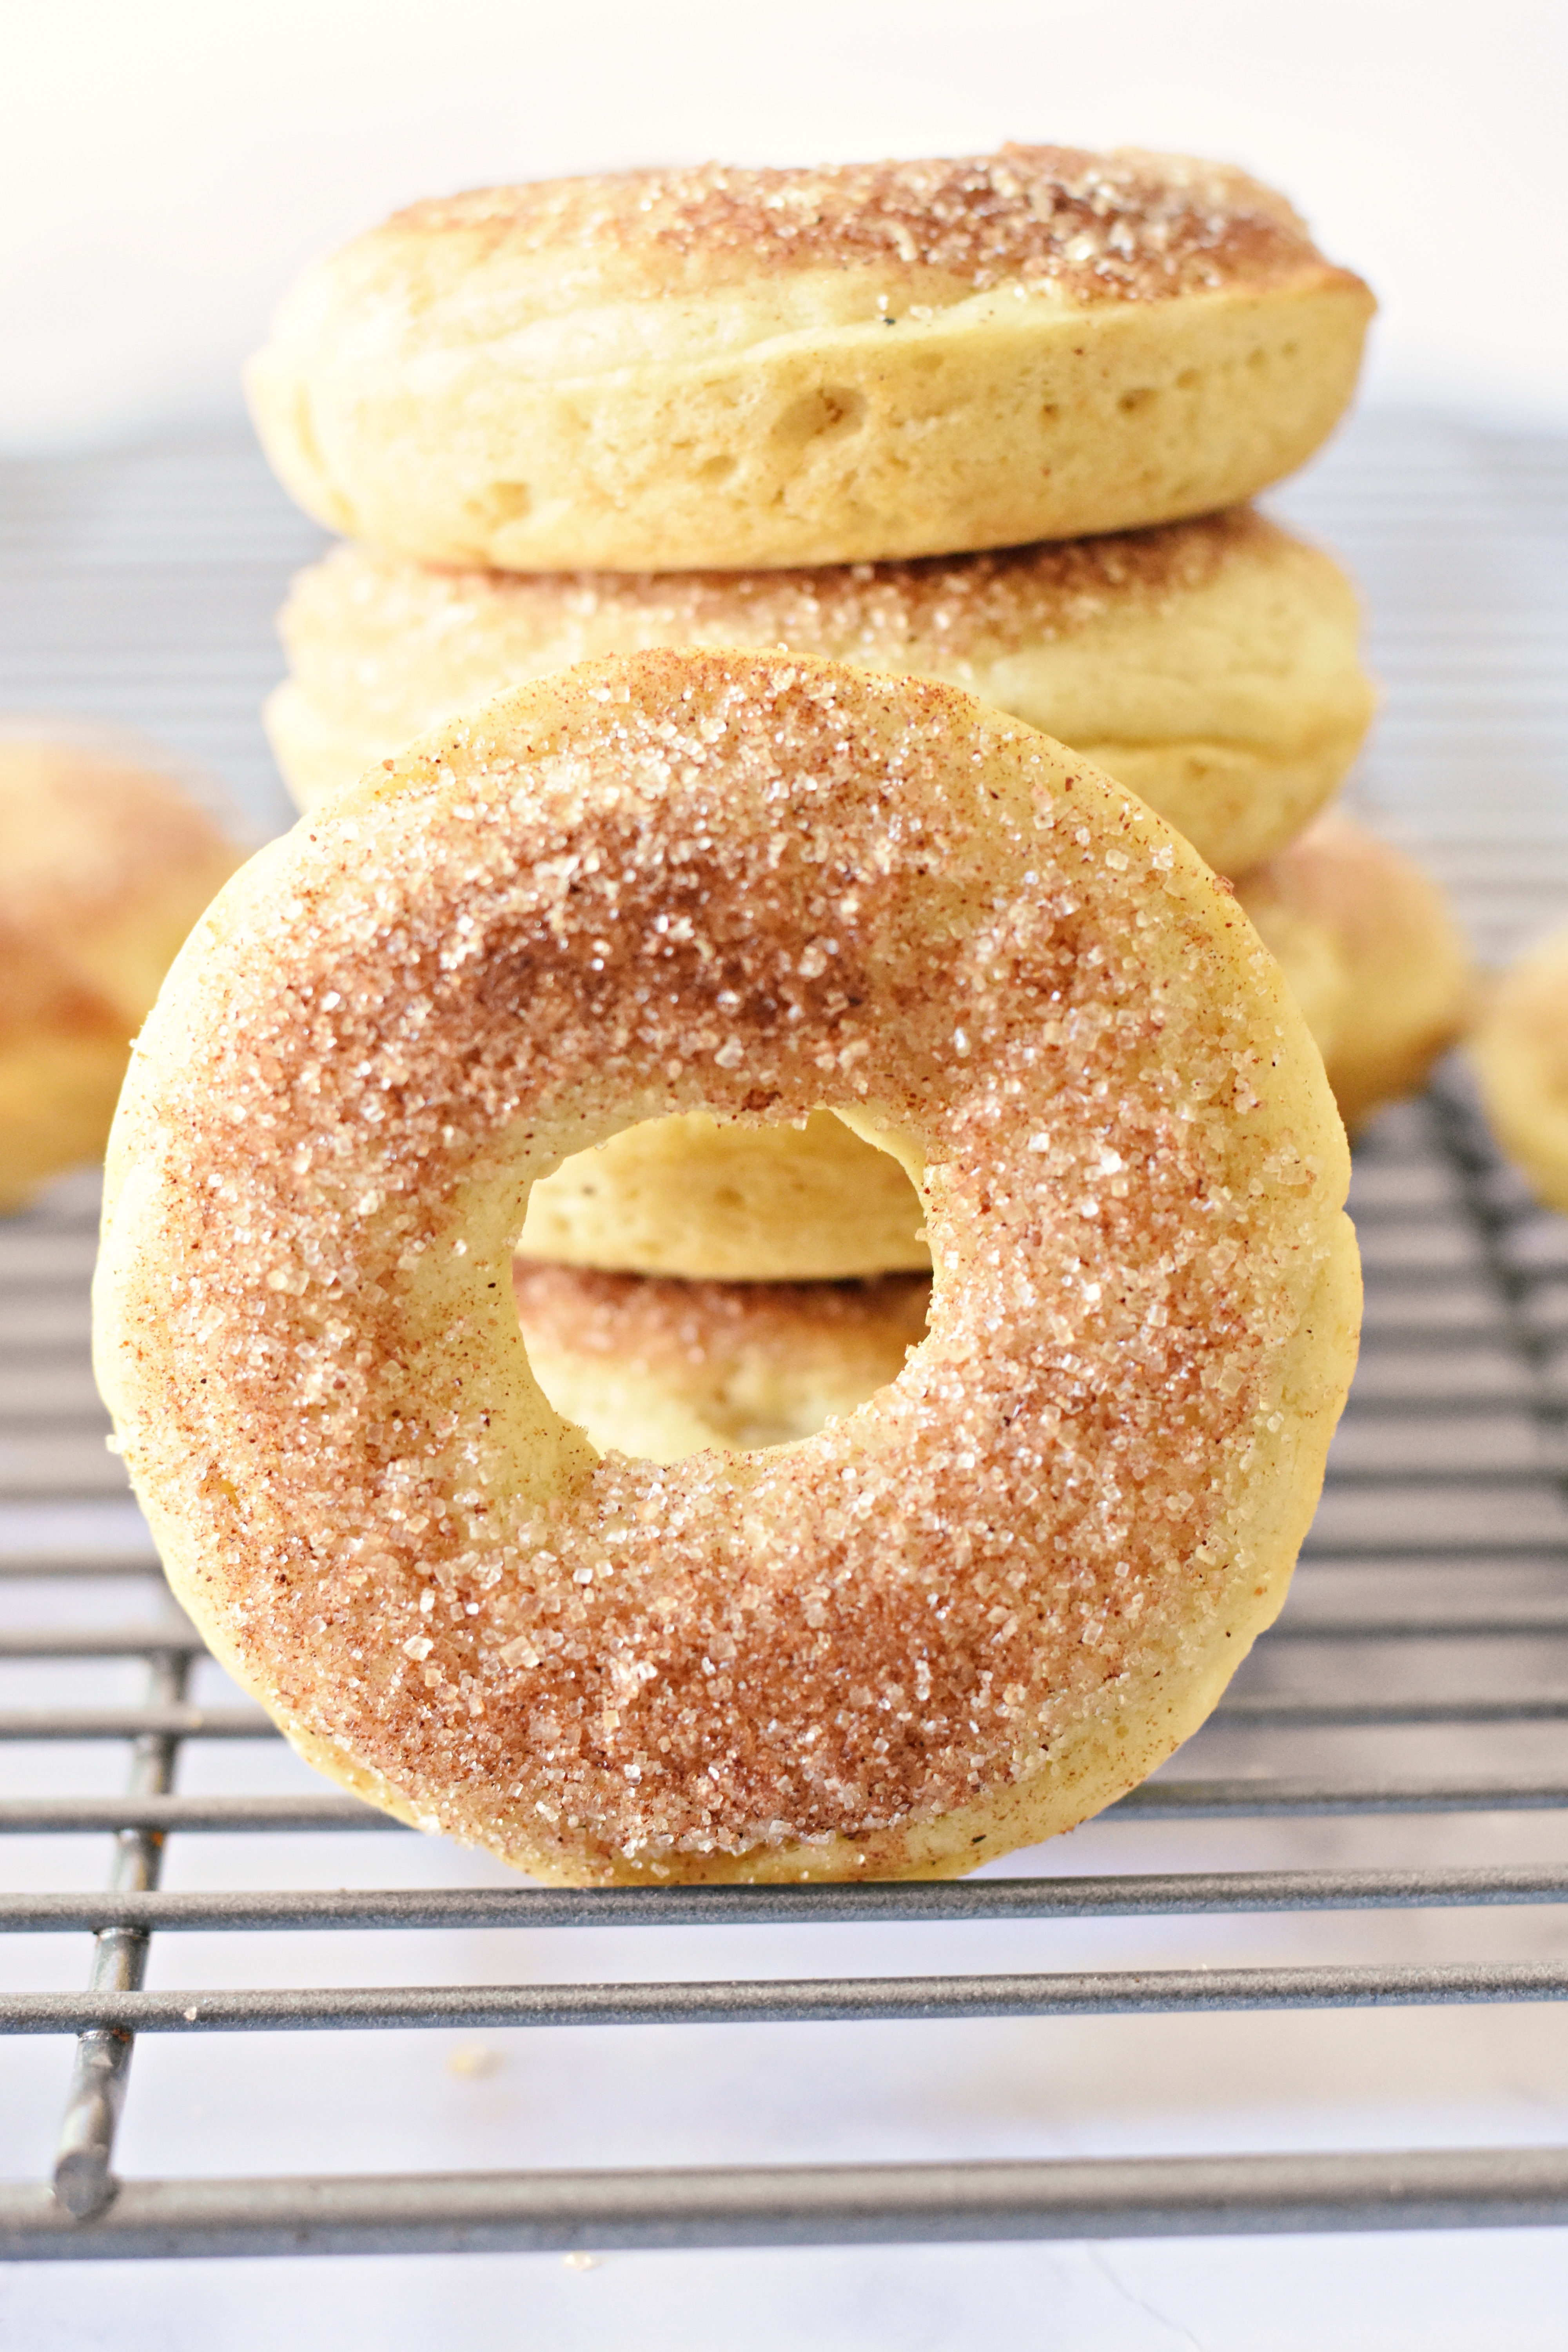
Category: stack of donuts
<point>696,884</point>
<point>807,409</point>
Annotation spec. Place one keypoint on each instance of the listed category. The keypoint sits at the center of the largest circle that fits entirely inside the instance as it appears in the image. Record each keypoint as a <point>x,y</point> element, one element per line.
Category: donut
<point>718,367</point>
<point>666,1369</point>
<point>959,1619</point>
<point>1374,955</point>
<point>1212,666</point>
<point>104,866</point>
<point>1519,1053</point>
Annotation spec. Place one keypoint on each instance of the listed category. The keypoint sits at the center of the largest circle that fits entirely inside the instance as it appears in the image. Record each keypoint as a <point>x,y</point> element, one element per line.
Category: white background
<point>167,167</point>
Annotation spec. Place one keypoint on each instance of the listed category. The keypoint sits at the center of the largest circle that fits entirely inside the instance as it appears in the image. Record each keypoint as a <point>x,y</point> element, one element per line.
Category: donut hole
<point>830,411</point>
<point>660,1368</point>
<point>695,1284</point>
<point>716,469</point>
<point>715,1200</point>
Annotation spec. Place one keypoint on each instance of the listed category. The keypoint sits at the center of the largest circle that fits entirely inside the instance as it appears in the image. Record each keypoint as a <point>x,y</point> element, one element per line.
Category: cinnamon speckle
<point>1127,226</point>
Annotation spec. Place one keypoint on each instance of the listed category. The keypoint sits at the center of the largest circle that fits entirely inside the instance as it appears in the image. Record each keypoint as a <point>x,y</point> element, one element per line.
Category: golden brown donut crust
<point>672,369</point>
<point>1520,1053</point>
<point>104,866</point>
<point>1131,226</point>
<point>1374,957</point>
<point>1212,666</point>
<point>958,1620</point>
<point>664,1369</point>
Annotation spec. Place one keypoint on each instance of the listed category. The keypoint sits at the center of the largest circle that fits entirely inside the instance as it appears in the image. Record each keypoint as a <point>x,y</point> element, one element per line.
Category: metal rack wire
<point>1468,1291</point>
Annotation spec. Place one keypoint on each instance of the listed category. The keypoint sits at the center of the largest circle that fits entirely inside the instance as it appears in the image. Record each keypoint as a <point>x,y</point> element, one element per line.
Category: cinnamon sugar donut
<point>666,1369</point>
<point>1212,666</point>
<point>719,367</point>
<point>1374,955</point>
<point>961,1618</point>
<point>104,866</point>
<point>1520,1055</point>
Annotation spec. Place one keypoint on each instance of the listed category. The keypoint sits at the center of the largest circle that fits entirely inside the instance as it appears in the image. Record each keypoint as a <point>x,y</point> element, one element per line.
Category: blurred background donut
<point>104,866</point>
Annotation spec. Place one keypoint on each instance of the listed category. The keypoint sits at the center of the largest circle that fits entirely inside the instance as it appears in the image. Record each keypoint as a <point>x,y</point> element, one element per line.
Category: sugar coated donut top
<point>966,609</point>
<point>879,614</point>
<point>967,1613</point>
<point>1126,226</point>
<point>666,1367</point>
<point>675,1327</point>
<point>1212,666</point>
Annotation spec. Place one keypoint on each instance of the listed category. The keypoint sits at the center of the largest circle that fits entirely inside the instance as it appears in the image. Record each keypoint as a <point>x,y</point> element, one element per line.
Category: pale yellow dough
<point>731,1203</point>
<point>718,367</point>
<point>104,866</point>
<point>1212,666</point>
<point>1520,1055</point>
<point>1374,956</point>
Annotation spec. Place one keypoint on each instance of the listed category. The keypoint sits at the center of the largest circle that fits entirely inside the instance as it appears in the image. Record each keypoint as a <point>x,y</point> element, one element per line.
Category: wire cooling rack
<point>1427,1626</point>
<point>1451,1459</point>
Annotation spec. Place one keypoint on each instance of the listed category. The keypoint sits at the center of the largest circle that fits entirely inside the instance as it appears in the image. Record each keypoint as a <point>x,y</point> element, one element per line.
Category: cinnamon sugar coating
<point>1212,666</point>
<point>665,1325</point>
<point>961,1617</point>
<point>881,615</point>
<point>1128,226</point>
<point>667,1368</point>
